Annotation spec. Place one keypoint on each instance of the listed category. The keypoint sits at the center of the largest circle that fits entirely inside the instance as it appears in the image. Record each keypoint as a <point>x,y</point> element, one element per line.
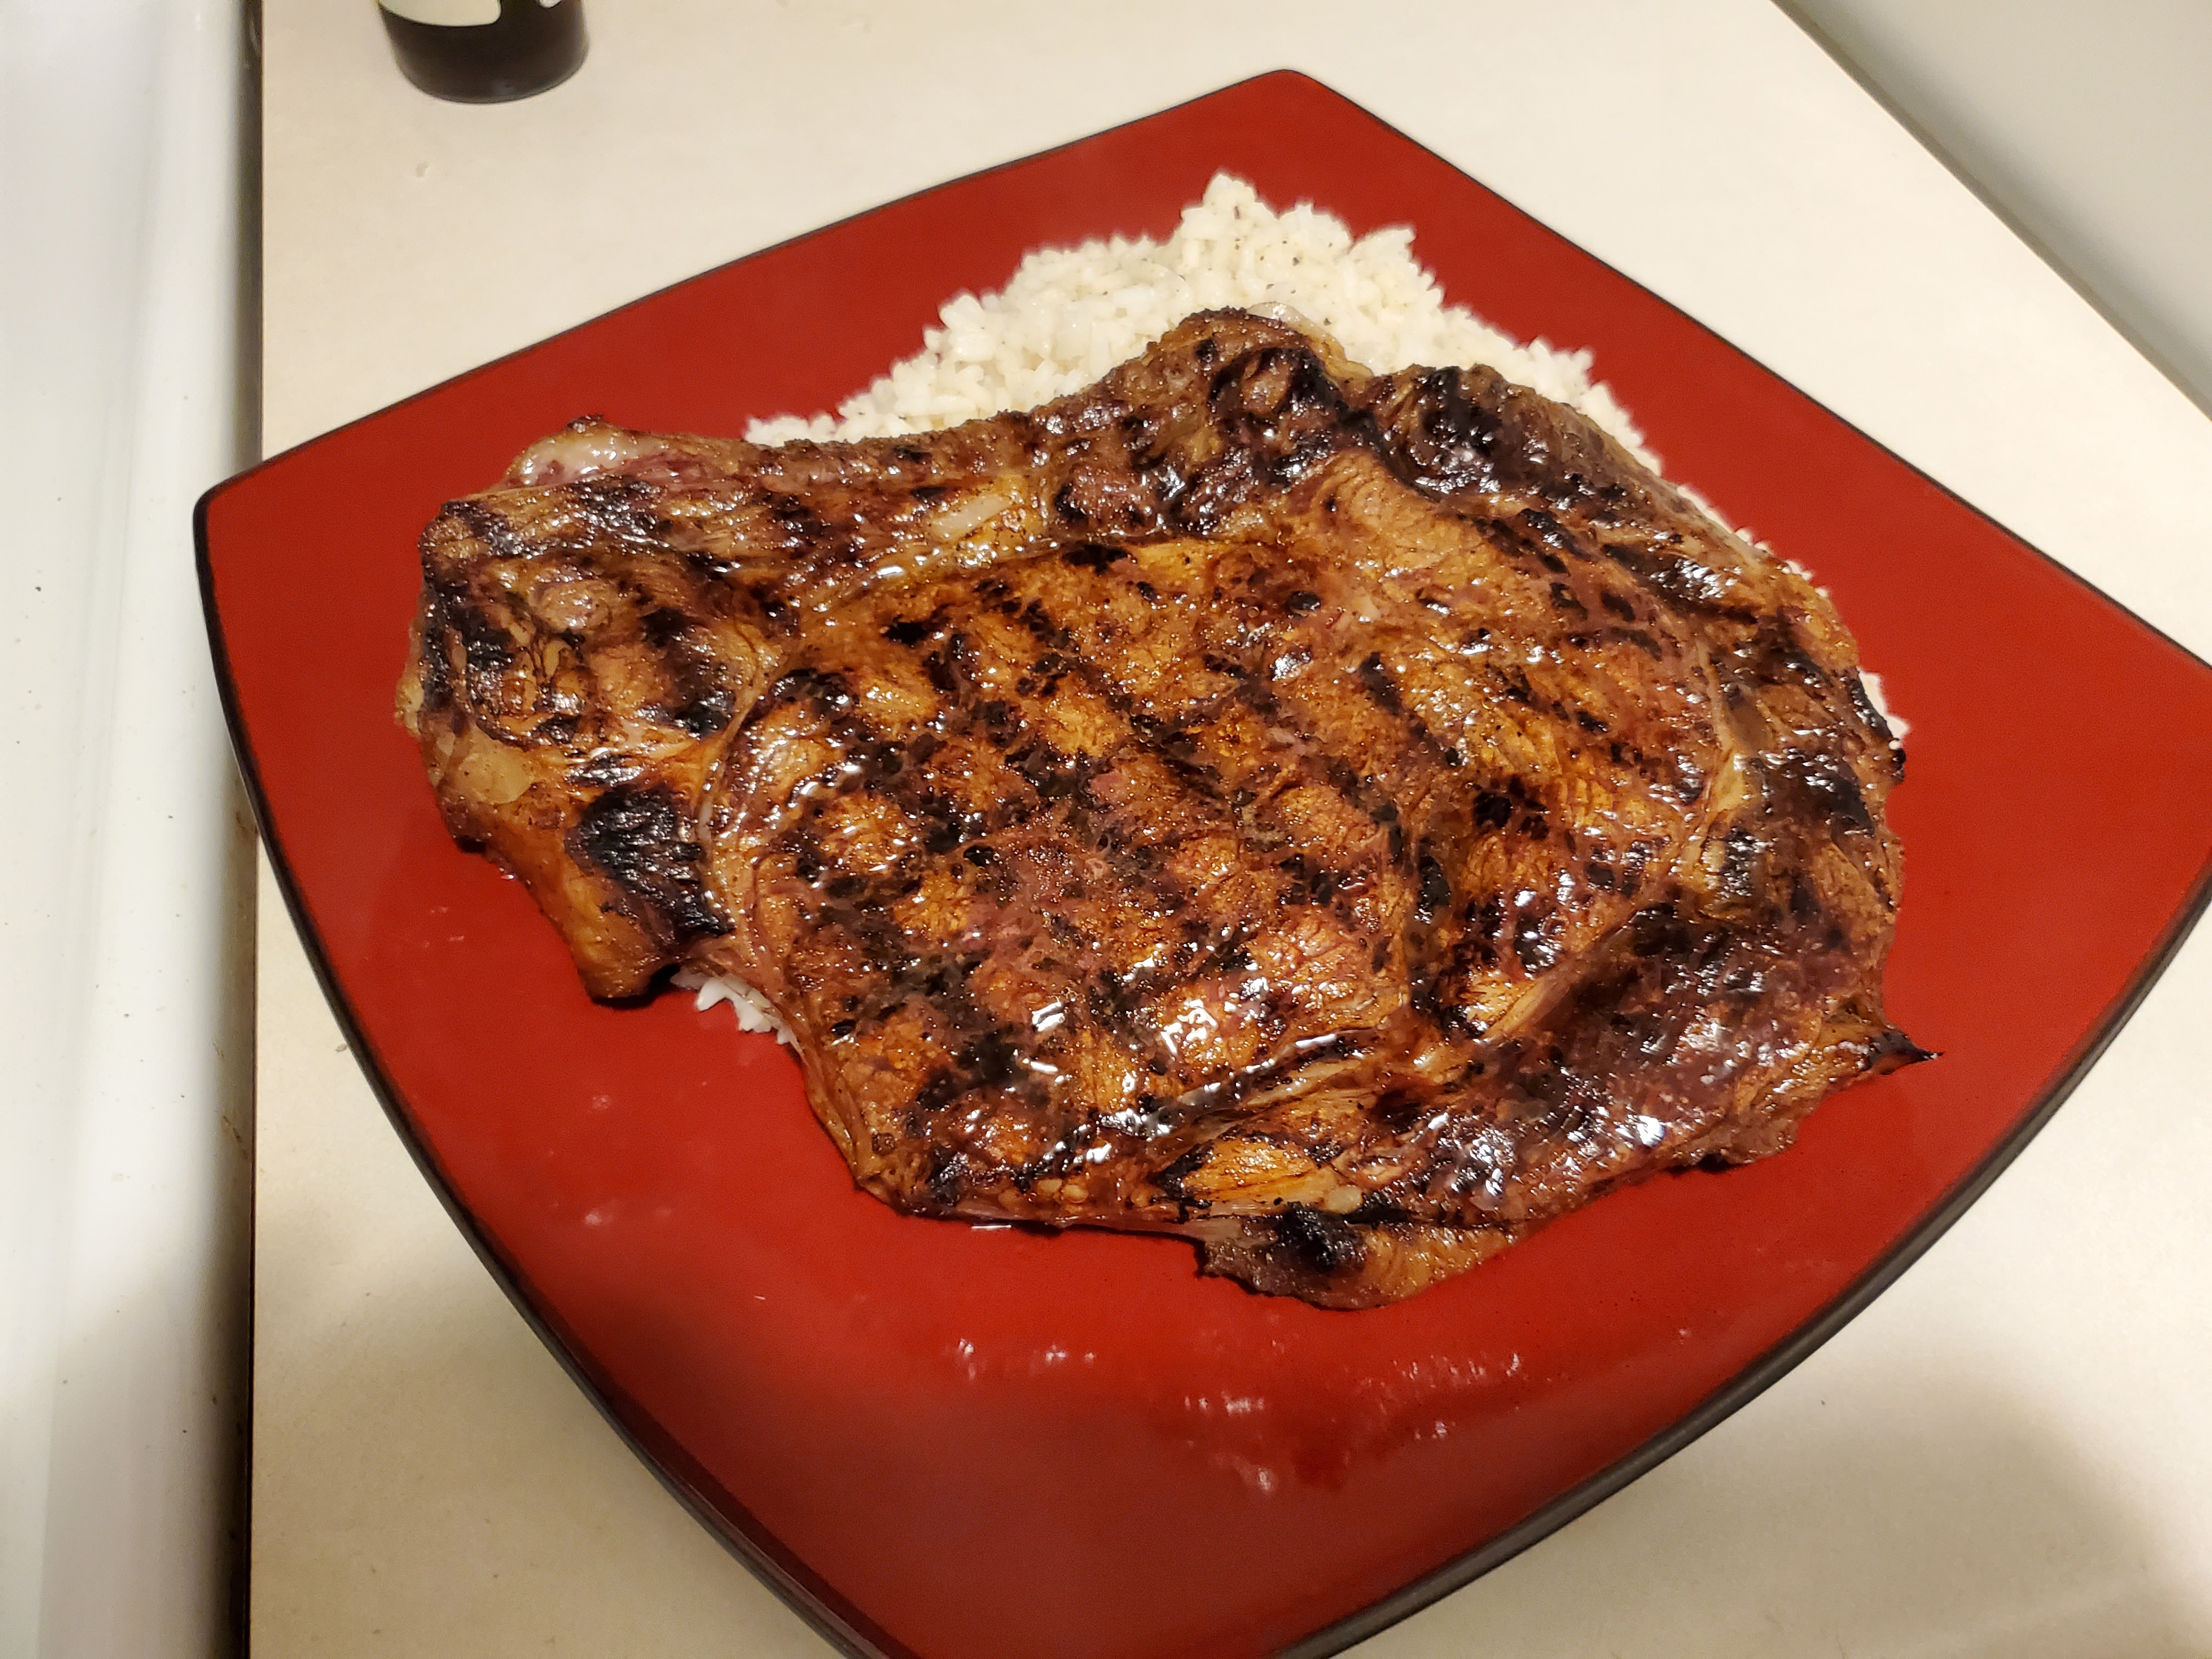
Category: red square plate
<point>940,1441</point>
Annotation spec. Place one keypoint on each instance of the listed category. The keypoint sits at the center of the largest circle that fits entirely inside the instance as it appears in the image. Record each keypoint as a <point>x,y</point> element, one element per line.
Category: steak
<point>1348,820</point>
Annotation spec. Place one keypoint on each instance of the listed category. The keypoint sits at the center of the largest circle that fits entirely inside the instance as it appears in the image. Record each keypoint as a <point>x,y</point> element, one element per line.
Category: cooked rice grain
<point>1070,314</point>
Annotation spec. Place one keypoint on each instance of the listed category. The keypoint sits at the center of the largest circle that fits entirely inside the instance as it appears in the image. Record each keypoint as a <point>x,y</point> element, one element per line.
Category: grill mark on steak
<point>1349,820</point>
<point>1059,783</point>
<point>637,838</point>
<point>1173,744</point>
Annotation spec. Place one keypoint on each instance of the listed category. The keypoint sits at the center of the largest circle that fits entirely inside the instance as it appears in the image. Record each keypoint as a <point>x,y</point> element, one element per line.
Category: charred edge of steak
<point>1893,1051</point>
<point>1316,1243</point>
<point>1300,1251</point>
<point>640,842</point>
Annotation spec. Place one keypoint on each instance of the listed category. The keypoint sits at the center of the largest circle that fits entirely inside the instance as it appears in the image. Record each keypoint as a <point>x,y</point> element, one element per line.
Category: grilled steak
<point>1348,820</point>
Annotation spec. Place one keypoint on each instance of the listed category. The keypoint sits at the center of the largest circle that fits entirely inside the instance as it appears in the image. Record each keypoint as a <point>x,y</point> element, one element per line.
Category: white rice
<point>755,1012</point>
<point>1070,314</point>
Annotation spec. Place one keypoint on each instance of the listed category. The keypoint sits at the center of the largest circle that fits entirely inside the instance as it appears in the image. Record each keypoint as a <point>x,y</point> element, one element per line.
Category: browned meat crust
<point>1349,820</point>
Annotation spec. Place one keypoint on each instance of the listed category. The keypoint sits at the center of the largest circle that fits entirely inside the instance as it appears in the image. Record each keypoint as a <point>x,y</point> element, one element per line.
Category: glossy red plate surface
<point>942,1441</point>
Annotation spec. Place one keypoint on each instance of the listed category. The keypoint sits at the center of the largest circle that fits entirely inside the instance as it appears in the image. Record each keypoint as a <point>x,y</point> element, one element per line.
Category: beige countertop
<point>2009,1454</point>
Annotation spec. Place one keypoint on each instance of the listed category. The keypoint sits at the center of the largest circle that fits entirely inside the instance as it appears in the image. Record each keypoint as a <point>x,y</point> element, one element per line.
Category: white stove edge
<point>125,954</point>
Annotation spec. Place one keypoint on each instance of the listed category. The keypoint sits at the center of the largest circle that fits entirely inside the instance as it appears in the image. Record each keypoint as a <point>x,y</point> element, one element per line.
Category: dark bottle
<point>485,52</point>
